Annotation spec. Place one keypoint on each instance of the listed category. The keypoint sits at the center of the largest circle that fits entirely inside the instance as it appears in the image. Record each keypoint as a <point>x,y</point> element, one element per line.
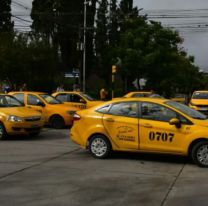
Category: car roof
<point>76,92</point>
<point>201,91</point>
<point>142,99</point>
<point>26,92</point>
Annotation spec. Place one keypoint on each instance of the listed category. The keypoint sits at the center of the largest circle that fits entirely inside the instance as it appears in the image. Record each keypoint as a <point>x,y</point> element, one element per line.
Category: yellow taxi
<point>199,101</point>
<point>182,98</point>
<point>76,99</point>
<point>15,119</point>
<point>138,94</point>
<point>55,113</point>
<point>142,125</point>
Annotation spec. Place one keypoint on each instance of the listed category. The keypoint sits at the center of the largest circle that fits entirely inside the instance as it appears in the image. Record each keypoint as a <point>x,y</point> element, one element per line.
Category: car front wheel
<point>200,153</point>
<point>99,146</point>
<point>3,133</point>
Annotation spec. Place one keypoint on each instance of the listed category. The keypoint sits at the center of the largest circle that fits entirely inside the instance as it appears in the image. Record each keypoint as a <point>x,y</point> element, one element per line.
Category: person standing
<point>60,88</point>
<point>103,94</point>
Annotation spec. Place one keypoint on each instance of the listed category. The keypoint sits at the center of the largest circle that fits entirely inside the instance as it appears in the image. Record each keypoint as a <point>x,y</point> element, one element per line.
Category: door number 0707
<point>161,136</point>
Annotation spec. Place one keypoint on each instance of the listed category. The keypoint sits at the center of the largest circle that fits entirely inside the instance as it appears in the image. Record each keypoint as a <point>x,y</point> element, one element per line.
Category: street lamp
<point>84,45</point>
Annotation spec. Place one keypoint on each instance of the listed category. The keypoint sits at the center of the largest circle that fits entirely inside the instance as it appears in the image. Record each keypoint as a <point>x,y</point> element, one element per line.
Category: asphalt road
<point>51,170</point>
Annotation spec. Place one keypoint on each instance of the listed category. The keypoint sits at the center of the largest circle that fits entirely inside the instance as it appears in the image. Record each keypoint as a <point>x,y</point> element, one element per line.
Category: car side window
<point>76,98</point>
<point>20,97</point>
<point>62,97</point>
<point>156,112</point>
<point>33,100</point>
<point>126,109</point>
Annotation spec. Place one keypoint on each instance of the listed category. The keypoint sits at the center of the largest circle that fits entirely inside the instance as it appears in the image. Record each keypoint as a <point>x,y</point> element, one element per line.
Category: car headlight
<point>71,112</point>
<point>13,118</point>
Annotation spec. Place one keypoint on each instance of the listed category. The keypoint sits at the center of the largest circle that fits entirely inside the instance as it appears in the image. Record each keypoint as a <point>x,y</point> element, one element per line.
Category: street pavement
<point>51,170</point>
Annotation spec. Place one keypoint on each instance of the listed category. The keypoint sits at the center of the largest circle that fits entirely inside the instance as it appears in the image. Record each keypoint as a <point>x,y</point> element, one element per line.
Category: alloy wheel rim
<point>99,147</point>
<point>202,154</point>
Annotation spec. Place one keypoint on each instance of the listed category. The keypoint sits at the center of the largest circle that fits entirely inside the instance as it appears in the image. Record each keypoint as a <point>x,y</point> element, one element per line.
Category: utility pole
<point>84,47</point>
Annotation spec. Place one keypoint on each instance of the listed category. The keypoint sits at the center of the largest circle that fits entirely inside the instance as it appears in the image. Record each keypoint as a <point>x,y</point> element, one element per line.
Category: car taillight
<point>76,117</point>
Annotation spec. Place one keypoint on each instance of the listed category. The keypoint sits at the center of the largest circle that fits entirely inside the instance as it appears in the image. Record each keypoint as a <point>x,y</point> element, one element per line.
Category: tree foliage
<point>6,25</point>
<point>115,33</point>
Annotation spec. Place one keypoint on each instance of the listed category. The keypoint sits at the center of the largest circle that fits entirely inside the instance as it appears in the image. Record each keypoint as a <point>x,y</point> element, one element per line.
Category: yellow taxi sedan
<point>76,99</point>
<point>138,94</point>
<point>55,113</point>
<point>142,125</point>
<point>199,101</point>
<point>15,119</point>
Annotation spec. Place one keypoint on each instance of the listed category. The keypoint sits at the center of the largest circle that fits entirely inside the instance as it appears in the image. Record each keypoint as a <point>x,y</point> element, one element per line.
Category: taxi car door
<point>155,132</point>
<point>121,124</point>
<point>32,101</point>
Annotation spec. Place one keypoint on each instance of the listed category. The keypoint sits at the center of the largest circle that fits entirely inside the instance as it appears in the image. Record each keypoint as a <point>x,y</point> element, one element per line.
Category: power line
<point>22,19</point>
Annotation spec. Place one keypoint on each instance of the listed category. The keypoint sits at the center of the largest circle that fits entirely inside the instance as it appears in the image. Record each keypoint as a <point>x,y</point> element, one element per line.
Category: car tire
<point>57,122</point>
<point>99,146</point>
<point>199,153</point>
<point>3,133</point>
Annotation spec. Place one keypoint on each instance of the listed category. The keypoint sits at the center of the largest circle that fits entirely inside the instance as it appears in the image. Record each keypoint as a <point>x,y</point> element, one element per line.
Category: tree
<point>101,36</point>
<point>150,51</point>
<point>28,60</point>
<point>6,25</point>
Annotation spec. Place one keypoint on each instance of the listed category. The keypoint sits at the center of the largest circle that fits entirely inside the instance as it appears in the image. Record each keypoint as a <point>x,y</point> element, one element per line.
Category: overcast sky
<point>192,24</point>
<point>171,4</point>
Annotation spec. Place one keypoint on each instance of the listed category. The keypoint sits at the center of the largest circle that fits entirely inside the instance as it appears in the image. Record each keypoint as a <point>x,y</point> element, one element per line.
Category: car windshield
<point>9,101</point>
<point>186,110</point>
<point>50,99</point>
<point>88,97</point>
<point>200,95</point>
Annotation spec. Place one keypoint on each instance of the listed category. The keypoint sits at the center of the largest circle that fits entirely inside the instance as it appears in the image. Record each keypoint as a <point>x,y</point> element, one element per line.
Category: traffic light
<point>114,69</point>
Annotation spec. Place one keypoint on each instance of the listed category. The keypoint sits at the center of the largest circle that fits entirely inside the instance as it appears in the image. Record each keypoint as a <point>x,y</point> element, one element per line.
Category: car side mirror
<point>176,122</point>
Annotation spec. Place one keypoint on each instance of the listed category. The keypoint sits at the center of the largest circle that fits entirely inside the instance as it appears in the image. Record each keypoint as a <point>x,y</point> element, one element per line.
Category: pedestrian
<point>23,87</point>
<point>6,86</point>
<point>60,88</point>
<point>103,94</point>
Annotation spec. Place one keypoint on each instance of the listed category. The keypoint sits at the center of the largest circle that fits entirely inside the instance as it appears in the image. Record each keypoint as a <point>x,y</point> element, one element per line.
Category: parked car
<point>143,125</point>
<point>199,101</point>
<point>16,119</point>
<point>55,112</point>
<point>76,99</point>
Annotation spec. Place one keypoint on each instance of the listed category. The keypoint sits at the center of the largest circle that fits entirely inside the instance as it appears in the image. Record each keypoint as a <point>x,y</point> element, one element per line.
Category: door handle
<point>147,125</point>
<point>109,120</point>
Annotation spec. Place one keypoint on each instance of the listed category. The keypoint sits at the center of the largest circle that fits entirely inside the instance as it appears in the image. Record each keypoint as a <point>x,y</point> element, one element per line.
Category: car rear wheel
<point>3,133</point>
<point>200,153</point>
<point>57,122</point>
<point>99,146</point>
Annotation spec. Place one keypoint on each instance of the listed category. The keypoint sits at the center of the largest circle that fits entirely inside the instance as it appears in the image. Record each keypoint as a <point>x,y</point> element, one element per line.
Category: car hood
<point>20,111</point>
<point>199,101</point>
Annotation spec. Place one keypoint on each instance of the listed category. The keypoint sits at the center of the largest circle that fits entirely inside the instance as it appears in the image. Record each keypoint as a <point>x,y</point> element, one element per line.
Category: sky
<point>171,4</point>
<point>190,20</point>
<point>192,23</point>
